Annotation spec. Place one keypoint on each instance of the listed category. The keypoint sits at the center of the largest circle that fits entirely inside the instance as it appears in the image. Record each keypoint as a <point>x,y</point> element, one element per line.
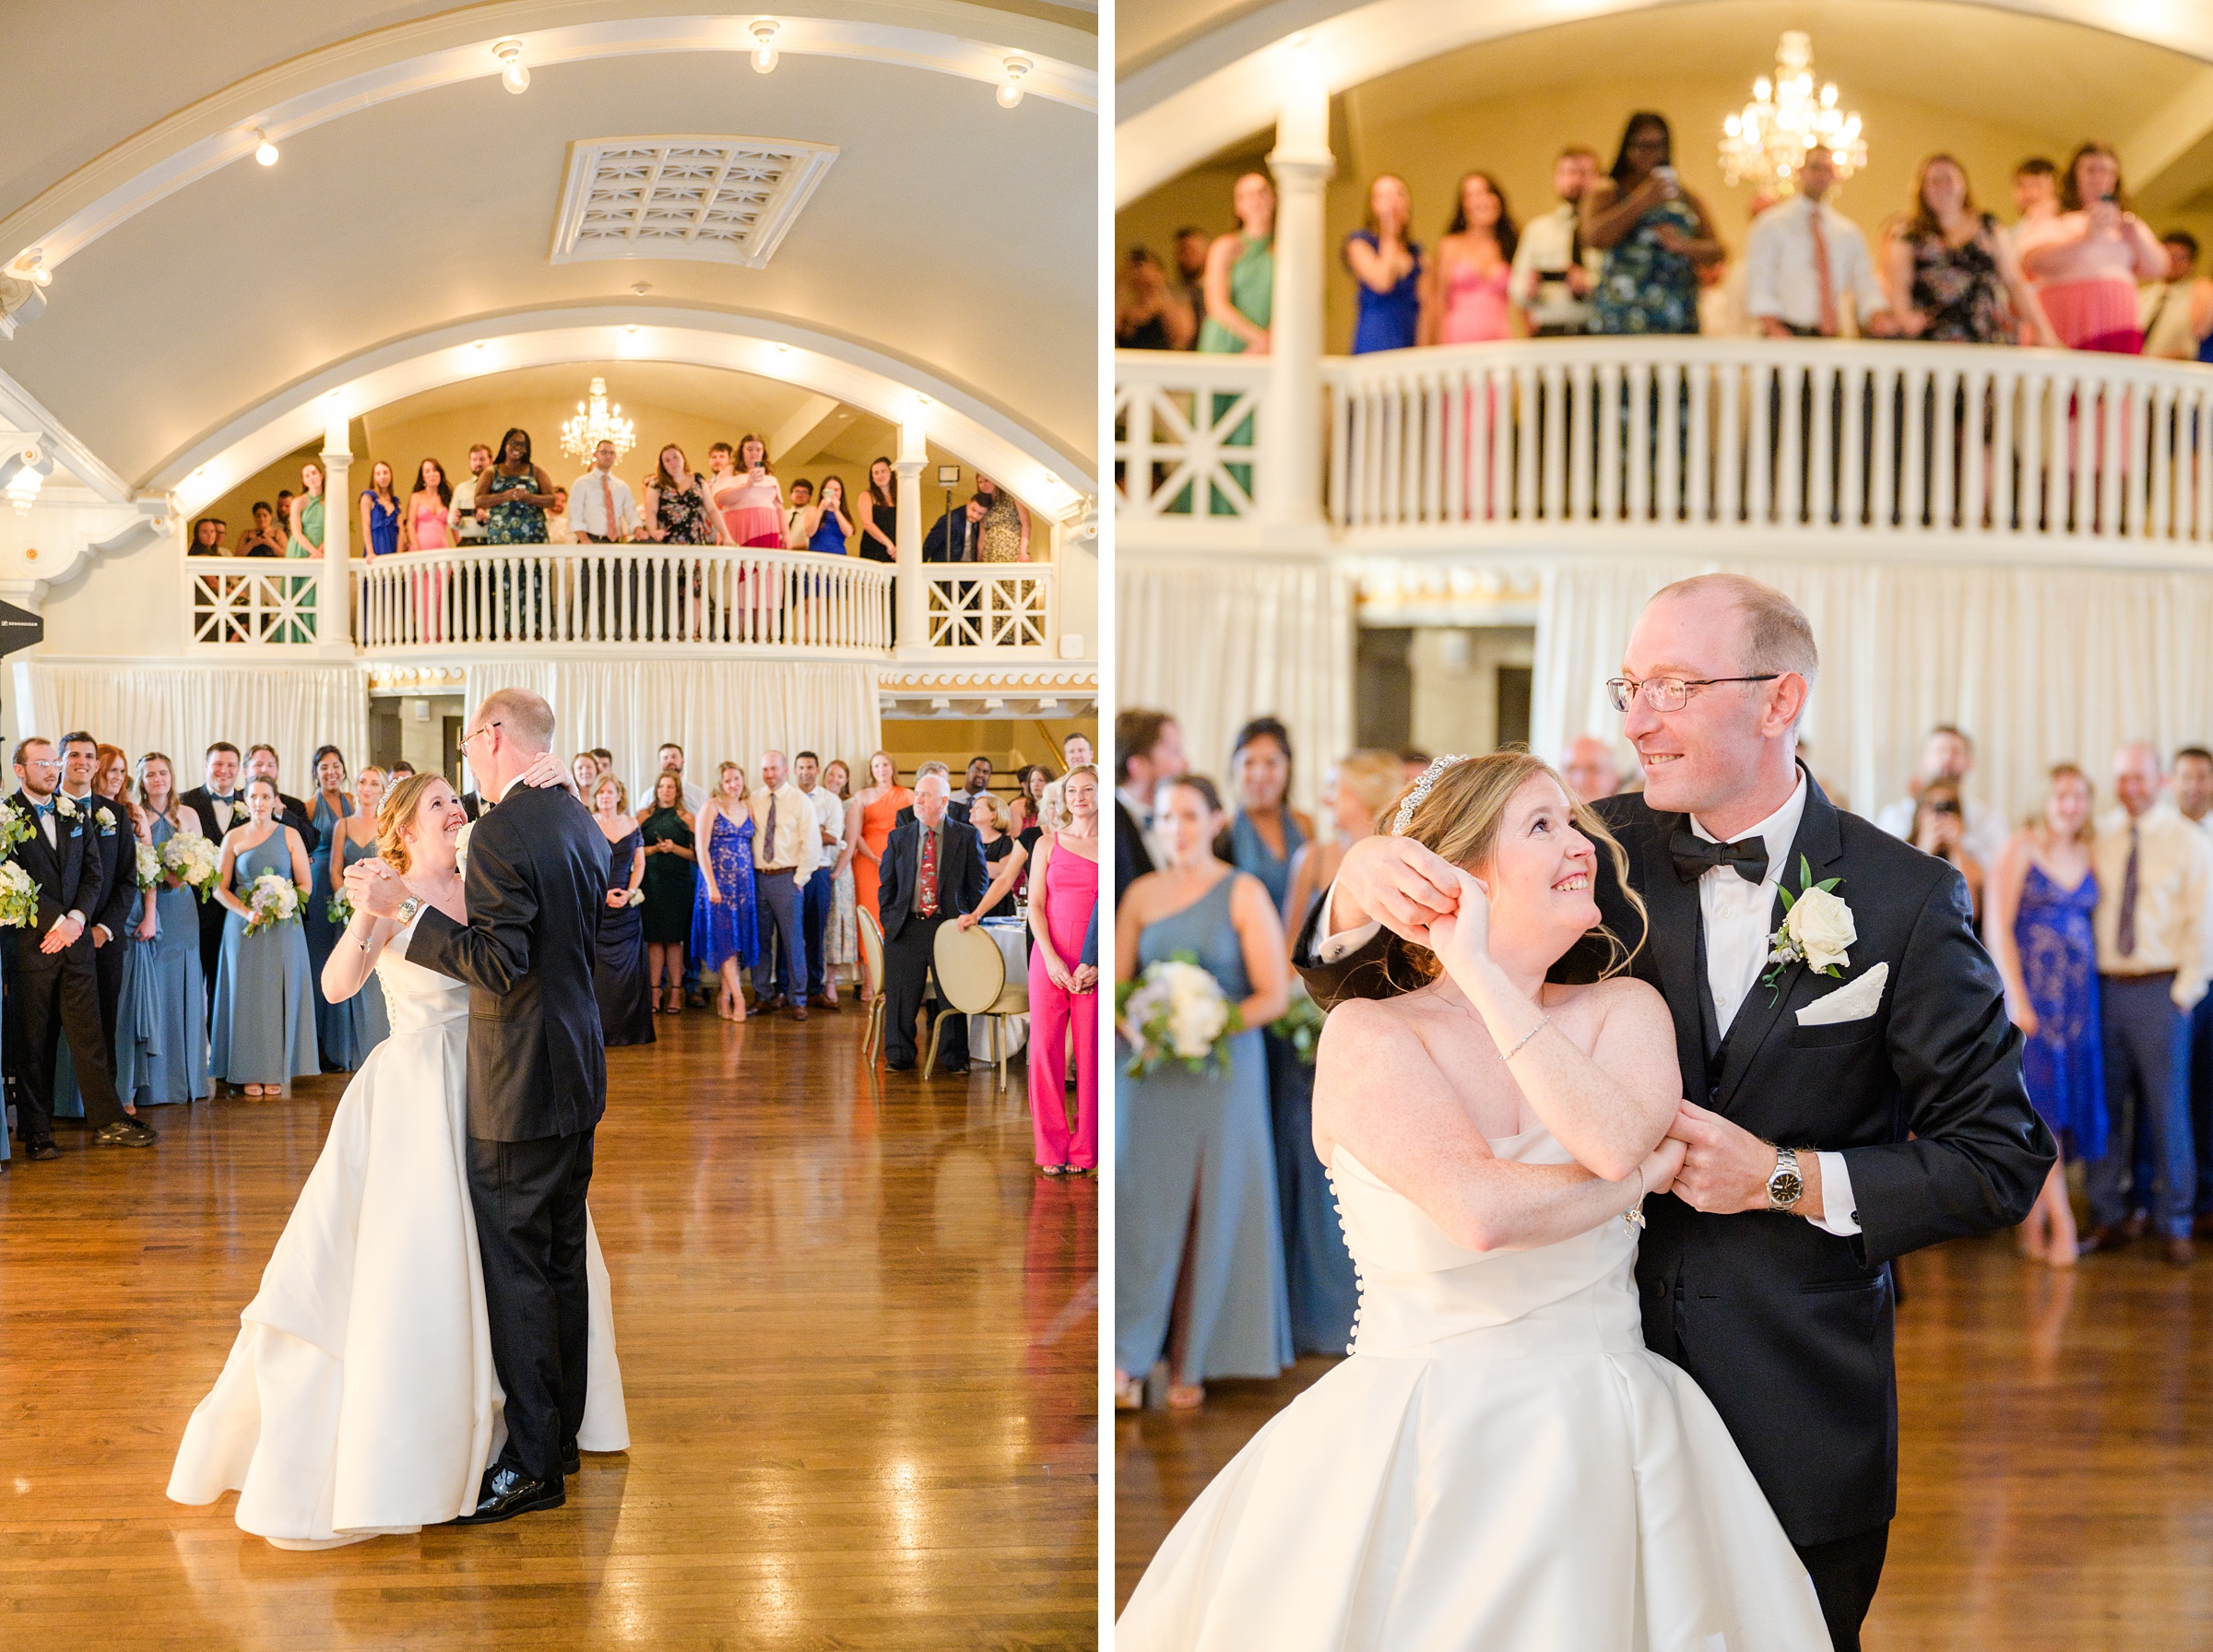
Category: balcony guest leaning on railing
<point>1952,273</point>
<point>1657,236</point>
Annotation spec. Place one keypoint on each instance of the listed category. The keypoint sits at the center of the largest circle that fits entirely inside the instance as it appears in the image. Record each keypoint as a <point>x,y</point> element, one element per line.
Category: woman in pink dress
<point>1064,991</point>
<point>745,494</point>
<point>1464,301</point>
<point>2086,259</point>
<point>423,526</point>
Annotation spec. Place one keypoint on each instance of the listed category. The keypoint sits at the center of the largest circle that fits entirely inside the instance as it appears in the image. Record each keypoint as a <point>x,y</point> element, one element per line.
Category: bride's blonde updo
<point>1459,818</point>
<point>397,808</point>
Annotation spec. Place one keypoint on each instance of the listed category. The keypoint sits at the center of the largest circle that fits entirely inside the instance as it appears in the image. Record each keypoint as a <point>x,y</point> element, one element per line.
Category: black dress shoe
<point>124,1132</point>
<point>2109,1236</point>
<point>953,1070</point>
<point>508,1492</point>
<point>39,1151</point>
<point>897,1066</point>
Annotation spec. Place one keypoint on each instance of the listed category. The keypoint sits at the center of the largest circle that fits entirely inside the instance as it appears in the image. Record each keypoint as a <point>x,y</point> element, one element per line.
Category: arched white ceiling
<point>951,237</point>
<point>1222,85</point>
<point>935,412</point>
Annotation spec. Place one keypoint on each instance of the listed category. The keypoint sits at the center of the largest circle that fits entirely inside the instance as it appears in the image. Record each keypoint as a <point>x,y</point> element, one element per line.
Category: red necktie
<point>929,873</point>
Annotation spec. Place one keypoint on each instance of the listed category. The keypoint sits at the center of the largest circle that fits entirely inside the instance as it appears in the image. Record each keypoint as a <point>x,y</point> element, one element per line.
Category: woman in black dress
<point>619,969</point>
<point>667,827</point>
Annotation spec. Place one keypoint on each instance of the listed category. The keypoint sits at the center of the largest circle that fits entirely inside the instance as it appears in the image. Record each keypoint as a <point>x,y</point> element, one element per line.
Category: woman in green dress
<point>668,828</point>
<point>305,524</point>
<point>1240,286</point>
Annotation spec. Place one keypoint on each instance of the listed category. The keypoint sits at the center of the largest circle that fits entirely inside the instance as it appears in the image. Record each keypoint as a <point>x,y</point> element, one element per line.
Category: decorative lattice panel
<point>729,200</point>
<point>999,610</point>
<point>255,609</point>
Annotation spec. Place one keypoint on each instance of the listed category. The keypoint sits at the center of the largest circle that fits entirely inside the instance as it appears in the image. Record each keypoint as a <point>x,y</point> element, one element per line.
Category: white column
<point>910,604</point>
<point>334,593</point>
<point>1291,475</point>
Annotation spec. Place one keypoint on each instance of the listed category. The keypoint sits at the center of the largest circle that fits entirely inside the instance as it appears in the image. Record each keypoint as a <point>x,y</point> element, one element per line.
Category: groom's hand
<point>1725,1169</point>
<point>1396,882</point>
<point>374,887</point>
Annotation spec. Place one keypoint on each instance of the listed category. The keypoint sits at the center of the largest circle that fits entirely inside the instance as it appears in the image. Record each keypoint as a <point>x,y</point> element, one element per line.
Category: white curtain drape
<point>714,709</point>
<point>1219,644</point>
<point>180,710</point>
<point>2038,665</point>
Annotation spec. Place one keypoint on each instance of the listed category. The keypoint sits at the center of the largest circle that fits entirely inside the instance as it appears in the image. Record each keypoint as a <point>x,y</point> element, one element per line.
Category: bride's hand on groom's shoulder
<point>547,770</point>
<point>1397,882</point>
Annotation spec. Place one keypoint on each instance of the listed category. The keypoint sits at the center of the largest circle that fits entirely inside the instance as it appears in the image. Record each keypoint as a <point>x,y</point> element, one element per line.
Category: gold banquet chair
<point>871,975</point>
<point>972,980</point>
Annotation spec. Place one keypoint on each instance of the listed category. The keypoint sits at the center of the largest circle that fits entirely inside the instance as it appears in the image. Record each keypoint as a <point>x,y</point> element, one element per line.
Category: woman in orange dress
<point>869,821</point>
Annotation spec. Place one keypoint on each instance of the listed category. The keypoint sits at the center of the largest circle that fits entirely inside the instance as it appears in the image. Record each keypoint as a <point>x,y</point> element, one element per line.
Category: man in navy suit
<point>933,871</point>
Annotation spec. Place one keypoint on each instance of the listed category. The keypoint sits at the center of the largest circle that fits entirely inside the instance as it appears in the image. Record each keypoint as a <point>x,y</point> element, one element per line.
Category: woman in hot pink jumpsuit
<point>1064,889</point>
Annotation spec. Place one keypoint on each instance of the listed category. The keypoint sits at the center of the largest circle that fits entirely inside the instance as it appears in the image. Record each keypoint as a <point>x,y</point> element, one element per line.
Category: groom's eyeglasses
<point>1669,693</point>
<point>474,732</point>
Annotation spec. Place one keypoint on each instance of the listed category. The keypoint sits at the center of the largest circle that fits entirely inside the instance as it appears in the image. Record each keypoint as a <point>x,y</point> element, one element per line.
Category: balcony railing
<point>593,596</point>
<point>1531,439</point>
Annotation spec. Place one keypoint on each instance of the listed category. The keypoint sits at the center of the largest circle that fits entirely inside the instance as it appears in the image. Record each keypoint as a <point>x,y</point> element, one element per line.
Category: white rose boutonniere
<point>63,806</point>
<point>1817,929</point>
<point>461,844</point>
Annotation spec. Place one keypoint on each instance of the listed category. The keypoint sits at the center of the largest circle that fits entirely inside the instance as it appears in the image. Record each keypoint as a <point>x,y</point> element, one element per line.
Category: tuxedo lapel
<point>1821,845</point>
<point>43,860</point>
<point>1672,906</point>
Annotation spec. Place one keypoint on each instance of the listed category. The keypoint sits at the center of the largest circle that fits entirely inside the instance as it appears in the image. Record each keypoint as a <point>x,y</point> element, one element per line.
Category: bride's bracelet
<point>1634,1216</point>
<point>1542,1021</point>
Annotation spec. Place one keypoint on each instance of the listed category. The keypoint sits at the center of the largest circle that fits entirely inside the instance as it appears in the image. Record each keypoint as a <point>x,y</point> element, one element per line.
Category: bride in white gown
<point>1501,1466</point>
<point>359,1399</point>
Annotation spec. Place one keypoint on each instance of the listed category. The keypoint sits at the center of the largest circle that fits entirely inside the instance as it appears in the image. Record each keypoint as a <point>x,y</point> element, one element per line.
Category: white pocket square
<point>1851,1003</point>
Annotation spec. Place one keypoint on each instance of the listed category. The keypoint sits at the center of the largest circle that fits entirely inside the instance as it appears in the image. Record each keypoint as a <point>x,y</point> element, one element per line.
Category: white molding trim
<point>21,410</point>
<point>1033,469</point>
<point>402,61</point>
<point>1224,84</point>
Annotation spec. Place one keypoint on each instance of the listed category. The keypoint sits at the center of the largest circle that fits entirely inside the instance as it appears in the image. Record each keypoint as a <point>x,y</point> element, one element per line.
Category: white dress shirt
<point>588,496</point>
<point>829,817</point>
<point>2163,311</point>
<point>462,516</point>
<point>1739,916</point>
<point>2174,867</point>
<point>1779,266</point>
<point>1548,243</point>
<point>795,844</point>
<point>1983,829</point>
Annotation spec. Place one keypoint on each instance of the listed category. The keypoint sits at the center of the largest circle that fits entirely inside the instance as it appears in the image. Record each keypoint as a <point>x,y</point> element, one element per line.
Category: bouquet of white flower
<point>274,899</point>
<point>148,866</point>
<point>18,897</point>
<point>635,896</point>
<point>340,910</point>
<point>1177,1011</point>
<point>191,858</point>
<point>14,828</point>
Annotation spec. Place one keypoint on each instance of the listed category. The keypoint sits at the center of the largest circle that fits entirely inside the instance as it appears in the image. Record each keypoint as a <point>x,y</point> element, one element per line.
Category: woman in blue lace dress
<point>1656,234</point>
<point>725,932</point>
<point>1196,1217</point>
<point>2041,895</point>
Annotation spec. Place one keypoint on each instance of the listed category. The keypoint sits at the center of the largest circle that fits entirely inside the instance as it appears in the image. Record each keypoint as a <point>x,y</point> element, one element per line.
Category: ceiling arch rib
<point>1224,84</point>
<point>947,416</point>
<point>327,85</point>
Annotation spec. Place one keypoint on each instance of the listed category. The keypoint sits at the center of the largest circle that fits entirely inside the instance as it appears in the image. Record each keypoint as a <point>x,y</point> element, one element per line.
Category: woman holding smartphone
<point>1657,236</point>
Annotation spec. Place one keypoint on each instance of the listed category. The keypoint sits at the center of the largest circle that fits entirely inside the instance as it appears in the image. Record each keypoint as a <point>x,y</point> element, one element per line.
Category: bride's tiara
<point>1421,790</point>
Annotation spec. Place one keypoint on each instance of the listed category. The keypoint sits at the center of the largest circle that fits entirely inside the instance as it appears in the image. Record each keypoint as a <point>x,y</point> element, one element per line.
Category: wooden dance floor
<point>2055,1457</point>
<point>858,1342</point>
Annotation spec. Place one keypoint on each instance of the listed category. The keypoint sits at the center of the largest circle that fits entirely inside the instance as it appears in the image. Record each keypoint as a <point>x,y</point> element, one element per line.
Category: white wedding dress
<point>1501,1466</point>
<point>360,1400</point>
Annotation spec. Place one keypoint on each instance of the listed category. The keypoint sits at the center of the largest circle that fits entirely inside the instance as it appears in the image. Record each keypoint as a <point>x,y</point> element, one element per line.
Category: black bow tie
<point>223,796</point>
<point>1696,856</point>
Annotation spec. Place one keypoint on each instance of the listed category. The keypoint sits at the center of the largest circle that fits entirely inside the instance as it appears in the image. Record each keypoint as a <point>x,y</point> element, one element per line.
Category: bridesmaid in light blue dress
<point>332,809</point>
<point>1196,1215</point>
<point>265,999</point>
<point>348,1030</point>
<point>170,1065</point>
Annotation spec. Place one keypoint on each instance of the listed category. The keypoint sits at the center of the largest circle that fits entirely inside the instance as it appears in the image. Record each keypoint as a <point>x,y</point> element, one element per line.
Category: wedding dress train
<point>1501,1466</point>
<point>359,1399</point>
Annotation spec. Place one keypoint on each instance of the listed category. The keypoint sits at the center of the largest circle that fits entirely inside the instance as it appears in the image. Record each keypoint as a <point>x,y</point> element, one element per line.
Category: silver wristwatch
<point>1786,1186</point>
<point>413,904</point>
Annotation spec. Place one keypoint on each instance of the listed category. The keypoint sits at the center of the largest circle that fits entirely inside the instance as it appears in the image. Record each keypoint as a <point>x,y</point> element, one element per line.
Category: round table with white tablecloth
<point>1012,937</point>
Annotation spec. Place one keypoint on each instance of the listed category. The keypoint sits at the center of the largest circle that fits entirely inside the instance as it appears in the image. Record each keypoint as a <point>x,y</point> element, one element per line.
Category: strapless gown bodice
<point>1501,1466</point>
<point>421,1000</point>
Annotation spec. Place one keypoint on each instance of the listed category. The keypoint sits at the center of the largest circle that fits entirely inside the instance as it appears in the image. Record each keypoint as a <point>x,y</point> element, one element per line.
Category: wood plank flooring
<point>859,1342</point>
<point>2055,1457</point>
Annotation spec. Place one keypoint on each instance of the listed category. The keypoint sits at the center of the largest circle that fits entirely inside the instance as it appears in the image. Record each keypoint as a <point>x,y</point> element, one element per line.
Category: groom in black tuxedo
<point>56,989</point>
<point>536,881</point>
<point>1821,1142</point>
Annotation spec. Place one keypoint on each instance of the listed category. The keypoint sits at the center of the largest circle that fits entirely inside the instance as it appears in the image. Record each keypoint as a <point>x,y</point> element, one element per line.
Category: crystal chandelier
<point>1786,121</point>
<point>582,435</point>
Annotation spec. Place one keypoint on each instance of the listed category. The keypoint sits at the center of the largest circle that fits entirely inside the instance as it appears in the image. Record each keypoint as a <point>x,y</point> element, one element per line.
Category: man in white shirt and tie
<point>1554,272</point>
<point>787,848</point>
<point>601,507</point>
<point>1804,259</point>
<point>671,759</point>
<point>462,516</point>
<point>2154,870</point>
<point>818,894</point>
